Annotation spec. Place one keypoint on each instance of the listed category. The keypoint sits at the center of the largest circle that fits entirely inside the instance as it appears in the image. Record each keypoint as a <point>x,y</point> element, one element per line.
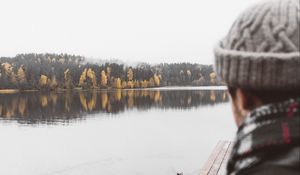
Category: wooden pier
<point>216,163</point>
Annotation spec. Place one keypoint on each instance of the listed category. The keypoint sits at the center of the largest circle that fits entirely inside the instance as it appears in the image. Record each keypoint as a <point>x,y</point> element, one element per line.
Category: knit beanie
<point>261,50</point>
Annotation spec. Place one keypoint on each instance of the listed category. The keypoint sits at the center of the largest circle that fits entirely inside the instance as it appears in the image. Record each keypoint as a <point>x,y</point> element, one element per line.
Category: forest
<point>63,71</point>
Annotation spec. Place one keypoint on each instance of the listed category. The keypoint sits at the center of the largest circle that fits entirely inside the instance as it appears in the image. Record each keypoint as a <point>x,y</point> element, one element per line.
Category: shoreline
<point>9,91</point>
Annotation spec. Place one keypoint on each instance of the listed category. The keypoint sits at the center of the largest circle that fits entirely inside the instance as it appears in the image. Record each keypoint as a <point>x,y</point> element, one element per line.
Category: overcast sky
<point>130,30</point>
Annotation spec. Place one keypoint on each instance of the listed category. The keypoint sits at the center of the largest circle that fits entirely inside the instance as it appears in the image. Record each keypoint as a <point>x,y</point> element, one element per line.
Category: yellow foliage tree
<point>144,84</point>
<point>43,81</point>
<point>82,78</point>
<point>130,74</point>
<point>156,80</point>
<point>92,76</point>
<point>130,84</point>
<point>8,70</point>
<point>213,77</point>
<point>108,70</point>
<point>118,84</point>
<point>103,79</point>
<point>21,76</point>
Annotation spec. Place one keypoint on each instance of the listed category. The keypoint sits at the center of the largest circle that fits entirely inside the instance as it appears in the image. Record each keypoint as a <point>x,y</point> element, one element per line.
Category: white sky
<point>130,30</point>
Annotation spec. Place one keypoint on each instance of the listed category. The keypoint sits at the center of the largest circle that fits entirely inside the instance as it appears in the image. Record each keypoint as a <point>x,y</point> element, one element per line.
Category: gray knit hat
<point>261,51</point>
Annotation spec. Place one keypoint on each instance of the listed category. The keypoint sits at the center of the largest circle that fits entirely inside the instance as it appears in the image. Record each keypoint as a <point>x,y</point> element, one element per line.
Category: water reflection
<point>54,107</point>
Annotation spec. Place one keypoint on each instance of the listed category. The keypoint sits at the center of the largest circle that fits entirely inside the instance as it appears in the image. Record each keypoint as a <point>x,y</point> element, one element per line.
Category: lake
<point>160,131</point>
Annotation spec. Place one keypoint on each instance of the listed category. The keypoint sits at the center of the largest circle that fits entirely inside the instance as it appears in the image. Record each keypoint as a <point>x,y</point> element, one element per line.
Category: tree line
<point>64,71</point>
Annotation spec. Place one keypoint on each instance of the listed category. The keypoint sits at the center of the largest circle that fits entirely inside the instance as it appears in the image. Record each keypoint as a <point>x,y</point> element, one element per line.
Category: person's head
<point>245,100</point>
<point>259,59</point>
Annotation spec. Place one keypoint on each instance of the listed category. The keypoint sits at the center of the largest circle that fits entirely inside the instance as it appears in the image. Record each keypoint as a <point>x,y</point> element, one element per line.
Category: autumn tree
<point>21,76</point>
<point>4,78</point>
<point>103,79</point>
<point>43,82</point>
<point>213,77</point>
<point>130,84</point>
<point>92,78</point>
<point>117,83</point>
<point>8,75</point>
<point>144,84</point>
<point>156,80</point>
<point>130,74</point>
<point>82,79</point>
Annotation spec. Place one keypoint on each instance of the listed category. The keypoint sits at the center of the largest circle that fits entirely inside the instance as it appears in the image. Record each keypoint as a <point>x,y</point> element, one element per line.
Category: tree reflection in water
<point>51,107</point>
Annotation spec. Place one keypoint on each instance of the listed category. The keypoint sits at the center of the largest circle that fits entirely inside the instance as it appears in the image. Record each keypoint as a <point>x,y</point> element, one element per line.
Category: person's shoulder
<point>284,163</point>
<point>270,170</point>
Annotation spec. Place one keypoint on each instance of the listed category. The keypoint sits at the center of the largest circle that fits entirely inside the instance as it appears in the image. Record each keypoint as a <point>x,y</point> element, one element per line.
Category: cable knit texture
<point>261,50</point>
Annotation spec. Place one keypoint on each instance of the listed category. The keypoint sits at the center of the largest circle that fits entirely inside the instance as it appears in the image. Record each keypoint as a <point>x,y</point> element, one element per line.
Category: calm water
<point>161,131</point>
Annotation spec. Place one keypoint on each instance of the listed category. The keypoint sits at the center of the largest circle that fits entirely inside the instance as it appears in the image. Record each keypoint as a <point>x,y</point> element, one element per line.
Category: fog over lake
<point>155,131</point>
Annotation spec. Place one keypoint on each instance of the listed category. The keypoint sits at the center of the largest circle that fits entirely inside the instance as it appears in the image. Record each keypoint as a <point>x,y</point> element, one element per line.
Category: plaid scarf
<point>267,130</point>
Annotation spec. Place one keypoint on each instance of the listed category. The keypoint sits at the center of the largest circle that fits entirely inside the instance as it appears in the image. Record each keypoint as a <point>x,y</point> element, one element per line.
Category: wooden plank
<point>206,168</point>
<point>222,170</point>
<point>218,162</point>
